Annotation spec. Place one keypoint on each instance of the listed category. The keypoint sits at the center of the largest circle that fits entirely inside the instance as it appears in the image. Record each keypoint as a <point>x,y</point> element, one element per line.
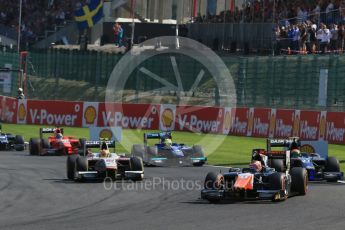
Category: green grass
<point>220,149</point>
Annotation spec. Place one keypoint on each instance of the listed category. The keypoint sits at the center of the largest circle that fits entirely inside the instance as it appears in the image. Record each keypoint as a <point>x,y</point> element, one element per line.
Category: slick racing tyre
<point>332,165</point>
<point>299,180</point>
<point>34,146</point>
<point>71,166</point>
<point>213,181</point>
<point>81,164</point>
<point>19,143</point>
<point>277,182</point>
<point>277,164</point>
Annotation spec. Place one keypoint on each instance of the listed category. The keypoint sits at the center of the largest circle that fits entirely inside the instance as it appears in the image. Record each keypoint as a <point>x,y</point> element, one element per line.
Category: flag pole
<point>19,24</point>
<point>133,23</point>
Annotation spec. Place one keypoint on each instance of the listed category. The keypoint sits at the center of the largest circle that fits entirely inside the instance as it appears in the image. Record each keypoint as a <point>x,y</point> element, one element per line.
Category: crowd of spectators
<point>303,26</point>
<point>37,16</point>
<point>256,11</point>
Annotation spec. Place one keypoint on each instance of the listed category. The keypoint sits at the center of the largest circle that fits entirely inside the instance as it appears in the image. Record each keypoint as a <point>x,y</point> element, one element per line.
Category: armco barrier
<point>254,122</point>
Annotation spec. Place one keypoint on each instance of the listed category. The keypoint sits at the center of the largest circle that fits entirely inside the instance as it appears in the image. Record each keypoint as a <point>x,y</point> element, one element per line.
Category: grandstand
<point>276,34</point>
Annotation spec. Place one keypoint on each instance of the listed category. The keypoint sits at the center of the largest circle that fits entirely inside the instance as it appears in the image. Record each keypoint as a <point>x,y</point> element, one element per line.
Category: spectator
<point>334,37</point>
<point>341,37</point>
<point>118,32</point>
<point>324,36</point>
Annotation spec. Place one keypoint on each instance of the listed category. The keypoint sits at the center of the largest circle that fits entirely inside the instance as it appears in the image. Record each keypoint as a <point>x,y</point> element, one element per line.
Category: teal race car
<point>168,153</point>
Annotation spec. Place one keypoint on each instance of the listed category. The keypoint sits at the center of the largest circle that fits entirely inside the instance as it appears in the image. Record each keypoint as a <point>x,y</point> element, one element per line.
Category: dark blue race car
<point>9,141</point>
<point>168,153</point>
<point>319,168</point>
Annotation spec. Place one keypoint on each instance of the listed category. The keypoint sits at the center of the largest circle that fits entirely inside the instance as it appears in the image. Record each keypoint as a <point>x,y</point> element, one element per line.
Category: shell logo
<point>167,118</point>
<point>227,120</point>
<point>106,134</point>
<point>21,112</point>
<point>307,148</point>
<point>90,115</point>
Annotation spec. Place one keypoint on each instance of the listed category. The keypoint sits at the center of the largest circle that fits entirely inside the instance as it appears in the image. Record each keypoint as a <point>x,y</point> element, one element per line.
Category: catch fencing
<point>292,81</point>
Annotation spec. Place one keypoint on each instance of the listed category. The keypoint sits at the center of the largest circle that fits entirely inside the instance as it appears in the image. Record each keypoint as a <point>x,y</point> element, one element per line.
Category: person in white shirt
<point>324,35</point>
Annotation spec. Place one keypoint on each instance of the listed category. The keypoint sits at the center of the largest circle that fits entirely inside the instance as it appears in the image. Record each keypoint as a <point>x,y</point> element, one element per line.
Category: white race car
<point>103,164</point>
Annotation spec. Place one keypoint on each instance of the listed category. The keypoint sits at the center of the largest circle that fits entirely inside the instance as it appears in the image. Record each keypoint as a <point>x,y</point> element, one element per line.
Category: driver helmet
<point>256,165</point>
<point>167,142</point>
<point>58,133</point>
<point>104,146</point>
<point>257,156</point>
<point>104,150</point>
<point>295,153</point>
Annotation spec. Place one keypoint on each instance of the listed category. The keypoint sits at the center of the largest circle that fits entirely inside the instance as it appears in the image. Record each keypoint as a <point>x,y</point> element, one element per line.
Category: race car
<point>168,153</point>
<point>259,181</point>
<point>103,164</point>
<point>56,144</point>
<point>318,168</point>
<point>10,141</point>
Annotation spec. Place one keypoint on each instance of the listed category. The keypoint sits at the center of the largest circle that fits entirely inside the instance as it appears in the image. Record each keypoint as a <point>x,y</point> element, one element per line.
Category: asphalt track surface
<point>34,194</point>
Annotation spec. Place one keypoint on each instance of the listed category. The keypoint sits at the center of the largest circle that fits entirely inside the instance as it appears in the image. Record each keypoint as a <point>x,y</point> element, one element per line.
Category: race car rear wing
<point>97,144</point>
<point>155,136</point>
<point>289,144</point>
<point>48,130</point>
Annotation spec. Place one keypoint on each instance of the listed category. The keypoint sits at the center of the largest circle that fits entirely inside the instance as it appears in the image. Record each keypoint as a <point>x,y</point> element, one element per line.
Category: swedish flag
<point>89,14</point>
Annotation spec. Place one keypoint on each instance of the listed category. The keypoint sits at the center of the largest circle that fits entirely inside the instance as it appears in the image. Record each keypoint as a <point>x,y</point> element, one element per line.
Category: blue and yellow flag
<point>89,15</point>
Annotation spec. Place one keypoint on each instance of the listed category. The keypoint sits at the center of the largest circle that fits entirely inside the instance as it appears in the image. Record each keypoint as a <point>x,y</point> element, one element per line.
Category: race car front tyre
<point>71,166</point>
<point>81,147</point>
<point>136,164</point>
<point>299,180</point>
<point>332,165</point>
<point>19,143</point>
<point>213,181</point>
<point>81,164</point>
<point>277,164</point>
<point>277,182</point>
<point>34,146</point>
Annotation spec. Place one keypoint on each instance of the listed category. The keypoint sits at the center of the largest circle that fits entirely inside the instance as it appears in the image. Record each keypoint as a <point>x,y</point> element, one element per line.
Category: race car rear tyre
<point>81,164</point>
<point>152,151</point>
<point>299,180</point>
<point>19,143</point>
<point>199,164</point>
<point>45,144</point>
<point>277,164</point>
<point>198,151</point>
<point>332,165</point>
<point>138,151</point>
<point>34,146</point>
<point>71,166</point>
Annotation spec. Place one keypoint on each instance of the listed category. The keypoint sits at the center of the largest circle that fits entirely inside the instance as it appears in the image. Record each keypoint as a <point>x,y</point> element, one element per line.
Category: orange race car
<point>56,144</point>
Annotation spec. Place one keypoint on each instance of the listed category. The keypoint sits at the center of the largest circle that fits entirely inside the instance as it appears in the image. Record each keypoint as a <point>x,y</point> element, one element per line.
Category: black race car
<point>262,182</point>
